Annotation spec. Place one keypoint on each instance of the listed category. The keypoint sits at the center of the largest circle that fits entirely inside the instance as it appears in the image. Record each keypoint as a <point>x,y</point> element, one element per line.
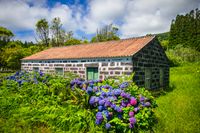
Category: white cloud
<point>154,16</point>
<point>133,17</point>
<point>103,12</point>
<point>18,15</point>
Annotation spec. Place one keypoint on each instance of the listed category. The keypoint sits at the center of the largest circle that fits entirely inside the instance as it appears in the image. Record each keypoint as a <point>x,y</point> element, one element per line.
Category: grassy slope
<point>179,109</point>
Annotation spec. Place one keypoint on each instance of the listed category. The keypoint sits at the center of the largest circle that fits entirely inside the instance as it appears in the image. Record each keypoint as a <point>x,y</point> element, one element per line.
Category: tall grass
<point>179,109</point>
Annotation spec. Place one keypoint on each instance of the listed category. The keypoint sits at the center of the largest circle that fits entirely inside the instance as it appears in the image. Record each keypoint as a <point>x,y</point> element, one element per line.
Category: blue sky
<point>83,17</point>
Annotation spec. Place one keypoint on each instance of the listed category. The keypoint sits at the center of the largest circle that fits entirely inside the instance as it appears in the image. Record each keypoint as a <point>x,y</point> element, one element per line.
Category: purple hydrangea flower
<point>132,120</point>
<point>131,125</point>
<point>113,106</point>
<point>99,116</point>
<point>147,104</point>
<point>123,94</point>
<point>92,100</point>
<point>98,122</point>
<point>95,89</point>
<point>123,85</point>
<point>136,109</point>
<point>107,103</point>
<point>142,99</point>
<point>103,94</point>
<point>131,113</point>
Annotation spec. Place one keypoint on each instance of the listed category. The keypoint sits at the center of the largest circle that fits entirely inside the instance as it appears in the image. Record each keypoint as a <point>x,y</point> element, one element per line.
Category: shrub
<point>180,55</point>
<point>119,106</point>
<point>36,101</point>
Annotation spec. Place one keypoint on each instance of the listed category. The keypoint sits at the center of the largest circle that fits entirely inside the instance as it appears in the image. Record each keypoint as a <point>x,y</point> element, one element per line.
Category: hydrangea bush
<point>120,106</point>
<point>114,105</point>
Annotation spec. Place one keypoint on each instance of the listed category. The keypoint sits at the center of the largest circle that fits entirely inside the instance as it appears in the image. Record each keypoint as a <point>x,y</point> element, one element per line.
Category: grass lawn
<point>179,108</point>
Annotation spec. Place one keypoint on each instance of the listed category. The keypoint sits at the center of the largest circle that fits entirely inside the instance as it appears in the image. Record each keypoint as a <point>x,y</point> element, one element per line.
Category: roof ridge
<point>98,43</point>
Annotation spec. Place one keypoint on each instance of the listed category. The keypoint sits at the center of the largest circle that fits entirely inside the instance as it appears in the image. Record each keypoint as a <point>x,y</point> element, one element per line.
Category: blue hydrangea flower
<point>98,122</point>
<point>107,103</point>
<point>92,100</point>
<point>99,116</point>
<point>113,106</point>
<point>89,90</point>
<point>100,108</point>
<point>117,92</point>
<point>107,125</point>
<point>101,102</point>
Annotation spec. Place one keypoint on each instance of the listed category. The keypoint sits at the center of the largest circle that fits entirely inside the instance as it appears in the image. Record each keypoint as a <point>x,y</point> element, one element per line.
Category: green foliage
<point>42,29</point>
<point>35,102</point>
<point>72,41</point>
<point>58,33</point>
<point>178,108</point>
<point>5,34</point>
<point>43,102</point>
<point>185,30</point>
<point>14,51</point>
<point>107,33</point>
<point>180,55</point>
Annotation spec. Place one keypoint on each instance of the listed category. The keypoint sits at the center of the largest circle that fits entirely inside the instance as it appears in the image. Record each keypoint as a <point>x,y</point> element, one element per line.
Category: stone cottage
<point>142,55</point>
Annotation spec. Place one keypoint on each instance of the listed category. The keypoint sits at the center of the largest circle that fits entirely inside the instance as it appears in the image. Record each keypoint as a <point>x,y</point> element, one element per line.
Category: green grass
<point>179,108</point>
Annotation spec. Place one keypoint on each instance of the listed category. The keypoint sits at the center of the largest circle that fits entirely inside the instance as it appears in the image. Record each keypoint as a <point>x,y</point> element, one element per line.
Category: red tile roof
<point>120,48</point>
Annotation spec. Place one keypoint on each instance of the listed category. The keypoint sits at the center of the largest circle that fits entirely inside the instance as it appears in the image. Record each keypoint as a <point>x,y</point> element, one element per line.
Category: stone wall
<point>152,57</point>
<point>105,69</point>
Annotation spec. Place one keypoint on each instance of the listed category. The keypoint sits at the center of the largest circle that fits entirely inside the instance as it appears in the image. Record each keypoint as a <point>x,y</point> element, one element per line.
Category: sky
<point>83,17</point>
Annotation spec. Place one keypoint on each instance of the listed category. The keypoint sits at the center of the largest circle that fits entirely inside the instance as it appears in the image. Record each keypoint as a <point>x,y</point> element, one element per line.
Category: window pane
<point>59,71</point>
<point>35,69</point>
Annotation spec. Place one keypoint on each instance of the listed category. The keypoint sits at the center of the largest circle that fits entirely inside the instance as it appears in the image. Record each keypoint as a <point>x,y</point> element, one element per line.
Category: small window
<point>59,71</point>
<point>92,73</point>
<point>147,78</point>
<point>161,77</point>
<point>73,61</point>
<point>36,69</point>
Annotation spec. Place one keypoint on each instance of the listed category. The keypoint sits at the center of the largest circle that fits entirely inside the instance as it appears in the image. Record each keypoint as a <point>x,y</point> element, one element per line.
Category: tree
<point>185,30</point>
<point>107,33</point>
<point>58,34</point>
<point>42,29</point>
<point>70,40</point>
<point>5,36</point>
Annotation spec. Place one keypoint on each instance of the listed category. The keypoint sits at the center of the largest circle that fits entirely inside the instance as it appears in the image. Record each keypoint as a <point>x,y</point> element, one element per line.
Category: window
<point>147,78</point>
<point>36,69</point>
<point>92,73</point>
<point>161,77</point>
<point>59,71</point>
